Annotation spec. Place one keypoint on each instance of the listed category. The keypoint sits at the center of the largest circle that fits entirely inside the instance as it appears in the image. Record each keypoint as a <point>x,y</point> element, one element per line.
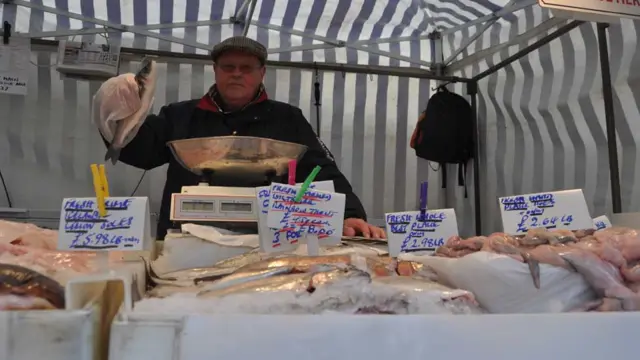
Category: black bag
<point>444,133</point>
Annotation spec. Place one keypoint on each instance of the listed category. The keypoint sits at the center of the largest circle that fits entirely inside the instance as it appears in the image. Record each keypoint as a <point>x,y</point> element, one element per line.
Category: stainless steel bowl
<point>236,154</point>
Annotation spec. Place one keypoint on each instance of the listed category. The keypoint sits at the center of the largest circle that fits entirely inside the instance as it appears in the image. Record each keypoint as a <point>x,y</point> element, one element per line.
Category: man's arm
<point>149,149</point>
<point>319,154</point>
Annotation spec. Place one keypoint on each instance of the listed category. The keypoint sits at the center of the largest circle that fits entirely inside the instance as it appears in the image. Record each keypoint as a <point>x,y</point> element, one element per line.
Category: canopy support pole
<point>247,21</point>
<point>472,91</point>
<point>610,120</point>
<point>475,36</point>
<point>524,52</point>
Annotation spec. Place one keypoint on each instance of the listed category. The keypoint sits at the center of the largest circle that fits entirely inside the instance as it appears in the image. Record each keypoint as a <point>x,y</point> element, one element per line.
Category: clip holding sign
<point>6,33</point>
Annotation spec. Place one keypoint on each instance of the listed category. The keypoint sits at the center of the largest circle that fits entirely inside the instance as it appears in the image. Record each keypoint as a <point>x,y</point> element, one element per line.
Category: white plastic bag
<point>503,285</point>
<point>221,236</point>
<point>116,99</point>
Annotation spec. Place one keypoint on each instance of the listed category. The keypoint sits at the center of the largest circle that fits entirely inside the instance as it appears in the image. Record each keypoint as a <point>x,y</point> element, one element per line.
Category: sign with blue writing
<point>411,232</point>
<point>125,228</point>
<point>553,210</point>
<point>601,222</point>
<point>272,240</point>
<point>319,213</point>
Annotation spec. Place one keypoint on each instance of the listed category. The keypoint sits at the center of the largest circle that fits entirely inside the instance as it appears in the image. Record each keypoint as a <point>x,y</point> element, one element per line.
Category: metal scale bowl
<point>239,157</point>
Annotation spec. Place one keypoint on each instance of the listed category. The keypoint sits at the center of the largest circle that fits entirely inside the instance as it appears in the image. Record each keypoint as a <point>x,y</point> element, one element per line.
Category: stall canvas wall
<point>48,148</point>
<point>542,120</point>
<point>49,140</point>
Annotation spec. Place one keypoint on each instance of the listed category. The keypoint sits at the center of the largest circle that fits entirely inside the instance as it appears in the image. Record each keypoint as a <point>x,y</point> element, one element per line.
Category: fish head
<point>18,280</point>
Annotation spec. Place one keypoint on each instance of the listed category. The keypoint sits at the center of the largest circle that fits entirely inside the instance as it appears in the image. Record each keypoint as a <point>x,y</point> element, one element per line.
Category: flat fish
<point>127,128</point>
<point>21,281</point>
<point>244,277</point>
<point>505,246</point>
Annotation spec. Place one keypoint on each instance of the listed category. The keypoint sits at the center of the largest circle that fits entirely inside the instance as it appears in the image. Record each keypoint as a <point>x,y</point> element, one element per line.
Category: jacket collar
<point>212,101</point>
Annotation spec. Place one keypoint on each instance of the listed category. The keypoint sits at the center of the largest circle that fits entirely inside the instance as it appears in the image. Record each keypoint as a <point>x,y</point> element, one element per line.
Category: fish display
<point>128,127</point>
<point>607,259</point>
<point>22,288</point>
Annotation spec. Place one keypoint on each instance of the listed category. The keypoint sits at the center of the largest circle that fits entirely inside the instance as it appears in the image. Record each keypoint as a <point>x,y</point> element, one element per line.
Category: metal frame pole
<point>472,90</point>
<point>175,57</point>
<point>610,120</point>
<point>247,21</point>
<point>524,52</point>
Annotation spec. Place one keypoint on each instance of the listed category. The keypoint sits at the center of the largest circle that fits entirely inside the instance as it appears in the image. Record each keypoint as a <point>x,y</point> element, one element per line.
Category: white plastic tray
<point>81,332</point>
<point>584,336</point>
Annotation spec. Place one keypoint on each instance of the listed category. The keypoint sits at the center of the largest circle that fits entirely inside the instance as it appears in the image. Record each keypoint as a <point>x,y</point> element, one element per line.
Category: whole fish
<point>190,277</point>
<point>245,259</point>
<point>20,281</point>
<point>505,246</point>
<point>295,283</point>
<point>244,277</point>
<point>127,128</point>
<point>335,275</point>
<point>300,263</point>
<point>186,277</point>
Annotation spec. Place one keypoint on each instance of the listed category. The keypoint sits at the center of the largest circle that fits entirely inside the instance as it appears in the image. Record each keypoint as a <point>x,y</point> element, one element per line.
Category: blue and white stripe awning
<point>363,32</point>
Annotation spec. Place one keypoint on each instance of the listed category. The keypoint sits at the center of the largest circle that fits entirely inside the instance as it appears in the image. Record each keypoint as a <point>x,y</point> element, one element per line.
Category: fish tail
<point>112,154</point>
<point>534,268</point>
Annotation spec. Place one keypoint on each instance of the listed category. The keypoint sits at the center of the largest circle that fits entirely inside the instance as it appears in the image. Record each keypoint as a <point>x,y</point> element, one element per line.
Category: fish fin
<point>112,154</point>
<point>534,268</point>
<point>569,262</point>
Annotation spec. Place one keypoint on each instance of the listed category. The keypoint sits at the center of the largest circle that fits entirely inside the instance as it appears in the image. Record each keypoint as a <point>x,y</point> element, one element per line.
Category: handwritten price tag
<point>409,232</point>
<point>125,228</point>
<point>601,222</point>
<point>554,210</point>
<point>319,213</point>
<point>273,240</point>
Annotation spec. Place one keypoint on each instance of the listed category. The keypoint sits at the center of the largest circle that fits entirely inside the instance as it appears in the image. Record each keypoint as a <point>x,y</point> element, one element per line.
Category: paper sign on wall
<point>409,231</point>
<point>270,238</point>
<point>601,222</point>
<point>319,213</point>
<point>14,65</point>
<point>125,228</point>
<point>553,210</point>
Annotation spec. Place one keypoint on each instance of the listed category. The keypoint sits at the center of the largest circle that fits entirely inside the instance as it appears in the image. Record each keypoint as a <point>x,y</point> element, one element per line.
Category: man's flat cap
<point>240,43</point>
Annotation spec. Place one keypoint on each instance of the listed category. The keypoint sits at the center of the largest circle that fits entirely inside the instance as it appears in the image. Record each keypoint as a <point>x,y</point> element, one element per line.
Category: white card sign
<point>553,210</point>
<point>319,213</point>
<point>601,222</point>
<point>270,238</point>
<point>125,228</point>
<point>410,232</point>
<point>14,65</point>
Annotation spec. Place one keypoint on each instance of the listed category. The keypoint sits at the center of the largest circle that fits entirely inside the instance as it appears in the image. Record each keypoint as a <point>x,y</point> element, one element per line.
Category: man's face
<point>238,76</point>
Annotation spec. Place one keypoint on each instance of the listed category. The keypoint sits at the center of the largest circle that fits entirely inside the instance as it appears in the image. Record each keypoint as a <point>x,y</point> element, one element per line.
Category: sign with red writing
<point>608,8</point>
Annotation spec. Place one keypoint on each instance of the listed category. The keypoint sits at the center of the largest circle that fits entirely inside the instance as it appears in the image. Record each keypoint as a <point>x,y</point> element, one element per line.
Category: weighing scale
<point>256,160</point>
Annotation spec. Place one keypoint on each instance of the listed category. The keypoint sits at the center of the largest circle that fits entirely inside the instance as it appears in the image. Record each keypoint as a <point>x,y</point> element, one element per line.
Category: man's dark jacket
<point>203,118</point>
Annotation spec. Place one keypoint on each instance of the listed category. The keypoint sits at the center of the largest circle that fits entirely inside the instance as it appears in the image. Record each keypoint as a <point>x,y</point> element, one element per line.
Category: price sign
<point>273,240</point>
<point>14,65</point>
<point>554,210</point>
<point>125,228</point>
<point>601,222</point>
<point>410,232</point>
<point>319,213</point>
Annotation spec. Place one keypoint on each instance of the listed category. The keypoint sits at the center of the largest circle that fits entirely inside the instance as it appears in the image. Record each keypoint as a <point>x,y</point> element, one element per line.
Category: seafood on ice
<point>32,273</point>
<point>608,260</point>
<point>298,284</point>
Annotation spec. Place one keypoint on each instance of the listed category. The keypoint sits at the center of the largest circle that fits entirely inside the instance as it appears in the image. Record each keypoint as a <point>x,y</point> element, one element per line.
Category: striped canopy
<point>364,31</point>
<point>541,119</point>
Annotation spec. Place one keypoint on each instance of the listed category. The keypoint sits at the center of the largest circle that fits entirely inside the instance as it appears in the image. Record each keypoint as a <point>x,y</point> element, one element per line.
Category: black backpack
<point>444,133</point>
